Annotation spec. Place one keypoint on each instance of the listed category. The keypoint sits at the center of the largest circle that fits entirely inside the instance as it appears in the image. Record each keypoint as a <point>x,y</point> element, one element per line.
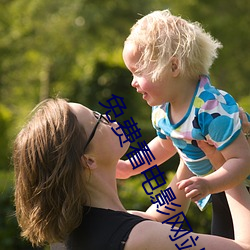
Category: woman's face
<point>104,142</point>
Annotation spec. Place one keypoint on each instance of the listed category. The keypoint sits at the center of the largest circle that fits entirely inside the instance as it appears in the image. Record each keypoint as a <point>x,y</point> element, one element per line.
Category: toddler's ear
<point>175,66</point>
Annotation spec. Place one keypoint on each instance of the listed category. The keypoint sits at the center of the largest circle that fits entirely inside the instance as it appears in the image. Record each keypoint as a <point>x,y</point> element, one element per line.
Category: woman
<point>65,188</point>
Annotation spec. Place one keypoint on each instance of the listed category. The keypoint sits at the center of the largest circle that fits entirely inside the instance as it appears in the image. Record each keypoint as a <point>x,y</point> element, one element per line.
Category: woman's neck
<point>102,189</point>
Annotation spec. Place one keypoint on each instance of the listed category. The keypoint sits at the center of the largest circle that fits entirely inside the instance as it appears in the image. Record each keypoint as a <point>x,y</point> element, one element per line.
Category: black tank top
<point>102,229</point>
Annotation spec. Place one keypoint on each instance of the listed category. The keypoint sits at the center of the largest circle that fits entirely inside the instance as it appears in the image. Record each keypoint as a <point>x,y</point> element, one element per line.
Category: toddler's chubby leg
<point>239,201</point>
<point>181,174</point>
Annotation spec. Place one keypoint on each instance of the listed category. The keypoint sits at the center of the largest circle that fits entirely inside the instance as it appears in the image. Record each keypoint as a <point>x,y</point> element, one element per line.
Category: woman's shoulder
<point>110,227</point>
<point>149,235</point>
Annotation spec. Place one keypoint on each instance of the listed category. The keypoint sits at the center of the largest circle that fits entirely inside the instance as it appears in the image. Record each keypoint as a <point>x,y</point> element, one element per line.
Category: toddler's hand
<point>194,187</point>
<point>123,170</point>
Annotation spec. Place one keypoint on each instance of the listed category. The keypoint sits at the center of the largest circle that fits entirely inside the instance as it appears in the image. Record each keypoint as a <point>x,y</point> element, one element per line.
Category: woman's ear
<point>175,66</point>
<point>90,161</point>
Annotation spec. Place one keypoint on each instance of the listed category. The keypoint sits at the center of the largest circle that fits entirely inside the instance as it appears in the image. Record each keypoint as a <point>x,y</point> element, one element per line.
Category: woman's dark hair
<point>49,180</point>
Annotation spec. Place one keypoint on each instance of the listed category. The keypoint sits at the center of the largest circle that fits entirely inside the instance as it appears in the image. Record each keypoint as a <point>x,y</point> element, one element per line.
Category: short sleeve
<point>162,136</point>
<point>159,121</point>
<point>219,120</point>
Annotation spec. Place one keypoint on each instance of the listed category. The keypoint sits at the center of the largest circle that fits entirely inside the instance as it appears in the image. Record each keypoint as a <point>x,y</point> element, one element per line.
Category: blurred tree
<point>229,23</point>
<point>57,44</point>
<point>5,122</point>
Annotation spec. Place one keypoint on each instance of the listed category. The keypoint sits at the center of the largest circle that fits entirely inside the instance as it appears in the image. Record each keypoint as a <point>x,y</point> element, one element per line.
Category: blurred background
<point>72,48</point>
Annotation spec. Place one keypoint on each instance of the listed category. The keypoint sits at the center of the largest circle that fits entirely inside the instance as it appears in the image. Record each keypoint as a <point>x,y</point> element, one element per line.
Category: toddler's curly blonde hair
<point>161,36</point>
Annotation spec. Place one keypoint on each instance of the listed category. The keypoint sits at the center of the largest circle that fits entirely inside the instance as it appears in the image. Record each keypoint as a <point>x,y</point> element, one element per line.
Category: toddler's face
<point>152,92</point>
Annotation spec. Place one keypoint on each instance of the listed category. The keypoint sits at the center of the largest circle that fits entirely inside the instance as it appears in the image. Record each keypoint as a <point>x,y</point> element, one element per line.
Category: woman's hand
<point>245,124</point>
<point>198,187</point>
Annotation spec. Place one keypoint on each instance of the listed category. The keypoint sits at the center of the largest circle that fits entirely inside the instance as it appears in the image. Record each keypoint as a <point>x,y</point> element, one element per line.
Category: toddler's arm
<point>162,151</point>
<point>233,171</point>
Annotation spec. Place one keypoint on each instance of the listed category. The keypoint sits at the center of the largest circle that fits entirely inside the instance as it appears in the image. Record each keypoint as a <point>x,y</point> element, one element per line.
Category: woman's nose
<point>109,118</point>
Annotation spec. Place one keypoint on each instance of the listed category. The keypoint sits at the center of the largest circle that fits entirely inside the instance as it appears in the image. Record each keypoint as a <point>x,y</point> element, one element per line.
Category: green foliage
<point>71,47</point>
<point>200,221</point>
<point>132,194</point>
<point>9,231</point>
<point>230,71</point>
<point>5,123</point>
<point>245,103</point>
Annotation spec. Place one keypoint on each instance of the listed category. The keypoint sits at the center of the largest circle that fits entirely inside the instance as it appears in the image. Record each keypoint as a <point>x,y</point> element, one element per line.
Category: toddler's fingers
<point>204,146</point>
<point>193,195</point>
<point>184,183</point>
